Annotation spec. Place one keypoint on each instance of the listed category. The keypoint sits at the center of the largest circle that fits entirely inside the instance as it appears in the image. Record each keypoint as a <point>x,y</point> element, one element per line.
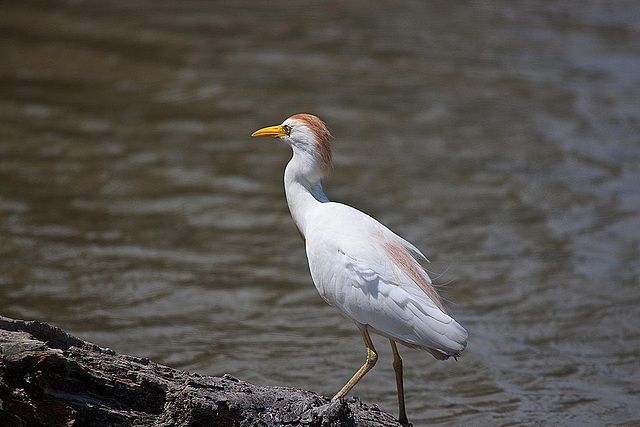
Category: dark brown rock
<point>48,377</point>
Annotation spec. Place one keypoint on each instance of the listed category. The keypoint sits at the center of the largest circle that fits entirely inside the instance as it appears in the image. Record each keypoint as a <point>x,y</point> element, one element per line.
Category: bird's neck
<point>303,190</point>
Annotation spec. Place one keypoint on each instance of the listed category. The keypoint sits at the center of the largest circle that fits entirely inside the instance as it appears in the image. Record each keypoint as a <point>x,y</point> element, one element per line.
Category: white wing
<point>372,276</point>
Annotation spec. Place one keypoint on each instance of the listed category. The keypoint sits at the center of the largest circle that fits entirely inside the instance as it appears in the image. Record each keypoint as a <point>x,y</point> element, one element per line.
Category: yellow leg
<point>397,367</point>
<point>372,358</point>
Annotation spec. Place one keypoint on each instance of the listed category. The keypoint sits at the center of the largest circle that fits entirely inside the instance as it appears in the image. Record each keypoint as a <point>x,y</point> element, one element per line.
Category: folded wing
<point>373,277</point>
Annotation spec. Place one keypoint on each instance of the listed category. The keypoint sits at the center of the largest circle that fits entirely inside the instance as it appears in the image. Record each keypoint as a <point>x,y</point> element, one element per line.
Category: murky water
<point>502,139</point>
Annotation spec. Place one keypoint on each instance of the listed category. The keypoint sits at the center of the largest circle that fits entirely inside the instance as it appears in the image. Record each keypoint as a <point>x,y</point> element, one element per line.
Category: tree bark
<point>50,378</point>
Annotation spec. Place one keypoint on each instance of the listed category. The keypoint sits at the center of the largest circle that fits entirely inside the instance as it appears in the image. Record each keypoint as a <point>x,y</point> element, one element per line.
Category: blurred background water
<point>502,138</point>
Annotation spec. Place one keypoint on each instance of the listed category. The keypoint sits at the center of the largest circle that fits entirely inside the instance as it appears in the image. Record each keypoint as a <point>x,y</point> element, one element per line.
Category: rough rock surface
<point>48,377</point>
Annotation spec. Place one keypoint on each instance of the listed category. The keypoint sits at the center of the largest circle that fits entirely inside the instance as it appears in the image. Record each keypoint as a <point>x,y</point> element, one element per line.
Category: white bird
<point>372,275</point>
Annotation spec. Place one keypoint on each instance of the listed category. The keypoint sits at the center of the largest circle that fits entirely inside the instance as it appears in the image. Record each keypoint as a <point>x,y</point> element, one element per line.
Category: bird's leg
<point>372,358</point>
<point>397,367</point>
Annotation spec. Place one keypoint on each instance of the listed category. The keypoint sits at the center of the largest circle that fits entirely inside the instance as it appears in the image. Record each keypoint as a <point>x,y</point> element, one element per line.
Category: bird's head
<point>307,135</point>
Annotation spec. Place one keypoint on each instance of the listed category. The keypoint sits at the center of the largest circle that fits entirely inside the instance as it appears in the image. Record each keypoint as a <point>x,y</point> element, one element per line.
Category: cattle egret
<point>372,275</point>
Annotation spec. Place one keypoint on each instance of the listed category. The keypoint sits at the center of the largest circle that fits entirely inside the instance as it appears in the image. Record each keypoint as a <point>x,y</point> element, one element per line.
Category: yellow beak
<point>272,131</point>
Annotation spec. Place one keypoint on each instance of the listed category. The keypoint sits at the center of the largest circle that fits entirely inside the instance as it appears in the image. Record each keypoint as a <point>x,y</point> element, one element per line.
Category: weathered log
<point>48,377</point>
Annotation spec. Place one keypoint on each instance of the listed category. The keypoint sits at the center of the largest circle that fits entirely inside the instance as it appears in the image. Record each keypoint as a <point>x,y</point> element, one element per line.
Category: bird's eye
<point>287,129</point>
